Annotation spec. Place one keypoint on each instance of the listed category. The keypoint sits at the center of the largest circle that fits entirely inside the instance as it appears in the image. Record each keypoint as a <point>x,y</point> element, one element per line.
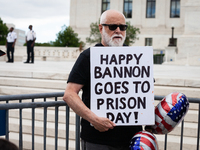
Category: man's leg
<point>28,52</point>
<point>32,54</point>
<point>8,52</point>
<point>91,146</point>
<point>12,54</point>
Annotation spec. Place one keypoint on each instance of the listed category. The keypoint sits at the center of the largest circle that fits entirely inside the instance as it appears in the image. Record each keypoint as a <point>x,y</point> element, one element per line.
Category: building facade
<point>154,18</point>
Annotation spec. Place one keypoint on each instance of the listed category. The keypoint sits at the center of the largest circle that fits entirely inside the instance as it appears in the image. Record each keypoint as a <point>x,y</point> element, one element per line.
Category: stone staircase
<point>19,81</point>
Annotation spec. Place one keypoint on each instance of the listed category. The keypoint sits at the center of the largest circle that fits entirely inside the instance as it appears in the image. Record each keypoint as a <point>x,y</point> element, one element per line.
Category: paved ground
<point>169,71</point>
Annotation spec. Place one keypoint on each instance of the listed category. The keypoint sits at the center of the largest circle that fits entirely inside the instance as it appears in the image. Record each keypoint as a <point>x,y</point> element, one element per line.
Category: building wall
<point>190,39</point>
<point>20,37</point>
<point>186,28</point>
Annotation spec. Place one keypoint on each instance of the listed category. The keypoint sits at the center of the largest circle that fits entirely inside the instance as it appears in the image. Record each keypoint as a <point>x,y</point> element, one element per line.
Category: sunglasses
<point>113,27</point>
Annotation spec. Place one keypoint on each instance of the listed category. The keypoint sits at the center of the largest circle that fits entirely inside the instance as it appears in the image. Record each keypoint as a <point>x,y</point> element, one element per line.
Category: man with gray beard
<point>98,133</point>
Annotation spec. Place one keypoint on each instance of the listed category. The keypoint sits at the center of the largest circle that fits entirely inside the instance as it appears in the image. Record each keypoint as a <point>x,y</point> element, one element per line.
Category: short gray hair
<point>103,17</point>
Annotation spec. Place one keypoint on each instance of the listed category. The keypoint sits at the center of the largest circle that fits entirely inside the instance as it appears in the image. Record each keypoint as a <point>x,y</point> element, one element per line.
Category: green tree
<point>67,37</point>
<point>3,32</point>
<point>95,35</point>
<point>42,44</point>
<point>131,34</point>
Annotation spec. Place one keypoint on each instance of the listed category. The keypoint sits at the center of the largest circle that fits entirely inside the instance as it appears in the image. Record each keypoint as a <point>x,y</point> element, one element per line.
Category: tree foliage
<point>3,32</point>
<point>42,44</point>
<point>95,35</point>
<point>131,34</point>
<point>67,37</point>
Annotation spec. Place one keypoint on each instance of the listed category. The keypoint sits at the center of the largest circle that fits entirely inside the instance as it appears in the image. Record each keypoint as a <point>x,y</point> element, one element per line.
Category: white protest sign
<point>122,86</point>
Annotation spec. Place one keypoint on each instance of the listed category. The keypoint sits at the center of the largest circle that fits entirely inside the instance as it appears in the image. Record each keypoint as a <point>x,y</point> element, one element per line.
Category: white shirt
<point>31,35</point>
<point>11,37</point>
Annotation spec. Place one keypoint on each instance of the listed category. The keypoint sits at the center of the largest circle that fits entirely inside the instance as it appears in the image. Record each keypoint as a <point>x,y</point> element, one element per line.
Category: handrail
<point>30,96</point>
<point>60,94</point>
<point>33,105</point>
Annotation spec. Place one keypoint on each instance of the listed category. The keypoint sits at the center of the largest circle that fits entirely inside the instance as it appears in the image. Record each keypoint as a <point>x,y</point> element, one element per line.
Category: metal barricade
<point>45,104</point>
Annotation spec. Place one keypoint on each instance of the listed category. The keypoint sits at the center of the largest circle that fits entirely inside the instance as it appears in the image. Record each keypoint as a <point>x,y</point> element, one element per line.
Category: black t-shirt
<point>120,135</point>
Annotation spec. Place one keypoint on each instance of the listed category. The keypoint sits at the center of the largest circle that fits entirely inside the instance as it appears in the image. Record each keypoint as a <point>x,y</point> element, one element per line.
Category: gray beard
<point>109,40</point>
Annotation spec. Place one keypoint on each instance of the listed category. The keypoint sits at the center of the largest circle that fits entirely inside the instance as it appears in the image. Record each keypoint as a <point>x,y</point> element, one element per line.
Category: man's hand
<point>103,124</point>
<point>73,100</point>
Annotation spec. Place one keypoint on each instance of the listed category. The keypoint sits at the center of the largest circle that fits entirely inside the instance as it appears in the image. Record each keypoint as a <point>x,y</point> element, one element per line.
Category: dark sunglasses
<point>113,27</point>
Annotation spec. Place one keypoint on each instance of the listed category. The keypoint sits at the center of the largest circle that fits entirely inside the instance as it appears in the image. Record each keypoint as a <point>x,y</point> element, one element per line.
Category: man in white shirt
<point>10,44</point>
<point>30,41</point>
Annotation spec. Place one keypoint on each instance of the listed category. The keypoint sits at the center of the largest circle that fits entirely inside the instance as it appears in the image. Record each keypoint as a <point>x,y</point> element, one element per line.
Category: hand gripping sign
<point>122,84</point>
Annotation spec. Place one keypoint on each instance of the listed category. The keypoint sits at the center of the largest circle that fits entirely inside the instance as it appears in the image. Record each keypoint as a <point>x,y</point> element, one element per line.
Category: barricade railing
<point>191,100</point>
<point>45,104</point>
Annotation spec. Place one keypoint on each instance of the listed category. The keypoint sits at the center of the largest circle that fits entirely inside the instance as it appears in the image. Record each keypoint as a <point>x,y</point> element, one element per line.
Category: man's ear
<point>100,28</point>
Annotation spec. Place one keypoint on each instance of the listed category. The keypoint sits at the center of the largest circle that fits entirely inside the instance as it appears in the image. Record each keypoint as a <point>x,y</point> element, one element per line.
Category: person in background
<point>7,145</point>
<point>30,41</point>
<point>98,133</point>
<point>10,45</point>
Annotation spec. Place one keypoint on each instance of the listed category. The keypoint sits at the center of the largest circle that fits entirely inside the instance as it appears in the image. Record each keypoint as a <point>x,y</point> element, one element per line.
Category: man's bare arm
<point>75,103</point>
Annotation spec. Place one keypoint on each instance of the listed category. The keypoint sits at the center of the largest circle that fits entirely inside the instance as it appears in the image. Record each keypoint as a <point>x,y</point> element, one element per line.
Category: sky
<point>46,16</point>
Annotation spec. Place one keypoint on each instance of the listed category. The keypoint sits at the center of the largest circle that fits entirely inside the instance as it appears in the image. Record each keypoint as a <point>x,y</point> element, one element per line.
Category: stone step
<point>39,128</point>
<point>190,130</point>
<point>191,116</point>
<point>39,140</point>
<point>39,115</point>
<point>33,83</point>
<point>178,82</point>
<point>173,142</point>
<point>173,139</point>
<point>188,91</point>
<point>190,124</point>
<point>34,74</point>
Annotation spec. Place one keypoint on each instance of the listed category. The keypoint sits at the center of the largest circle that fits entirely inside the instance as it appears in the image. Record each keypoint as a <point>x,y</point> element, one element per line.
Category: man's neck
<point>103,43</point>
